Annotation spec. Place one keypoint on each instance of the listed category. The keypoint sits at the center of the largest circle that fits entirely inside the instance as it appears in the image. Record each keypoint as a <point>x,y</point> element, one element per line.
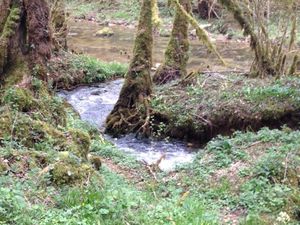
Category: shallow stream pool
<point>94,103</point>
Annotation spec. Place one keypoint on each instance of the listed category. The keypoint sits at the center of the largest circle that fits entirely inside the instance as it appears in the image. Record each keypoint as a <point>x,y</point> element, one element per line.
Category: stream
<point>94,103</point>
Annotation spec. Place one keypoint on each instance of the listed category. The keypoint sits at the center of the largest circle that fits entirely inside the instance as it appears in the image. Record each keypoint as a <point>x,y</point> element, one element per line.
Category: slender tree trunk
<point>176,54</point>
<point>59,25</point>
<point>25,38</point>
<point>131,111</point>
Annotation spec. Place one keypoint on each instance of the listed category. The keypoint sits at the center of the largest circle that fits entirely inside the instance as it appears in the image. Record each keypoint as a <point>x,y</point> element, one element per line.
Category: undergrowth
<point>214,104</point>
<point>70,70</point>
<point>254,175</point>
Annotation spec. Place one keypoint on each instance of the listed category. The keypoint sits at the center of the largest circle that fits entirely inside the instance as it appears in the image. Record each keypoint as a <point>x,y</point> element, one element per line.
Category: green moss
<point>5,122</point>
<point>3,166</point>
<point>29,132</point>
<point>18,98</point>
<point>10,23</point>
<point>82,142</point>
<point>49,108</point>
<point>14,74</point>
<point>65,173</point>
<point>138,84</point>
<point>95,160</point>
<point>8,30</point>
<point>40,135</point>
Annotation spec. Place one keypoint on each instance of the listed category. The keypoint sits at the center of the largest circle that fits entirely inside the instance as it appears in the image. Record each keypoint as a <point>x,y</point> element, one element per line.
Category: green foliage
<point>266,180</point>
<point>97,71</point>
<point>105,10</point>
<point>277,91</point>
<point>224,152</point>
<point>18,98</point>
<point>201,109</point>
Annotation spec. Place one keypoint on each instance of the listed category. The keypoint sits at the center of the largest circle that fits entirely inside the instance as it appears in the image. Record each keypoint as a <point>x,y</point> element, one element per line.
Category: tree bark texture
<point>176,54</point>
<point>131,109</point>
<point>25,35</point>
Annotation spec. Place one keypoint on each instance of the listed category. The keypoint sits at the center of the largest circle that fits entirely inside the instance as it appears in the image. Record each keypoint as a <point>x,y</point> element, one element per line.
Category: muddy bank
<point>216,104</point>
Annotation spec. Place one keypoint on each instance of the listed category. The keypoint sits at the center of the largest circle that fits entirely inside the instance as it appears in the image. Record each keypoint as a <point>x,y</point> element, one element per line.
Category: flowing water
<point>95,102</point>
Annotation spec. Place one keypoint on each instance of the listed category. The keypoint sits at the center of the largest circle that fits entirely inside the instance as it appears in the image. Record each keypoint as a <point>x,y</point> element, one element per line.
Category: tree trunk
<point>131,111</point>
<point>25,39</point>
<point>59,25</point>
<point>176,55</point>
<point>208,9</point>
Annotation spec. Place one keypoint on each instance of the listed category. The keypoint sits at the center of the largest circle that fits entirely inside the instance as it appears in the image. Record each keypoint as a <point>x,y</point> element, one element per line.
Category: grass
<point>256,173</point>
<point>70,70</point>
<point>111,199</point>
<point>250,178</point>
<point>102,11</point>
<point>96,70</point>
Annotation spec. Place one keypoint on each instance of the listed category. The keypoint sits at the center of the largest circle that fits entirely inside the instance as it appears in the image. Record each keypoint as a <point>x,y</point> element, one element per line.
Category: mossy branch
<point>201,33</point>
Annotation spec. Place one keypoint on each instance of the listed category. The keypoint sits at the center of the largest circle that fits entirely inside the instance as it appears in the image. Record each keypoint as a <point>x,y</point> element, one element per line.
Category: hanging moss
<point>176,54</point>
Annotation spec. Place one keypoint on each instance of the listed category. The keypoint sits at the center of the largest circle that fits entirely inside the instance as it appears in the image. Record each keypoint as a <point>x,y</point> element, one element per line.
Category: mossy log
<point>176,54</point>
<point>130,111</point>
<point>25,37</point>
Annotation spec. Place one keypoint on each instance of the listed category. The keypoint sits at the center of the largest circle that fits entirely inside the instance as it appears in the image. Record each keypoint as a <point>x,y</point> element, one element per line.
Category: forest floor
<point>246,178</point>
<point>249,177</point>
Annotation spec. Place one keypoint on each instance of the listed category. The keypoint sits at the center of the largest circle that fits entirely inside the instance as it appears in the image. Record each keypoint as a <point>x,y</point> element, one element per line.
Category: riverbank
<point>70,70</point>
<point>214,104</point>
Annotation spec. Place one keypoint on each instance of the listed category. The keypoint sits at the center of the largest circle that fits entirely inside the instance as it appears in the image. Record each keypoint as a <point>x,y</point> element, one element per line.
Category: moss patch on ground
<point>214,104</point>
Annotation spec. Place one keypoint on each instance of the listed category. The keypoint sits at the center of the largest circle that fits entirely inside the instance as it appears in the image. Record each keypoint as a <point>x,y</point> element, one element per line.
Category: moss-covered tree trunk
<point>25,39</point>
<point>59,25</point>
<point>176,54</point>
<point>131,111</point>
